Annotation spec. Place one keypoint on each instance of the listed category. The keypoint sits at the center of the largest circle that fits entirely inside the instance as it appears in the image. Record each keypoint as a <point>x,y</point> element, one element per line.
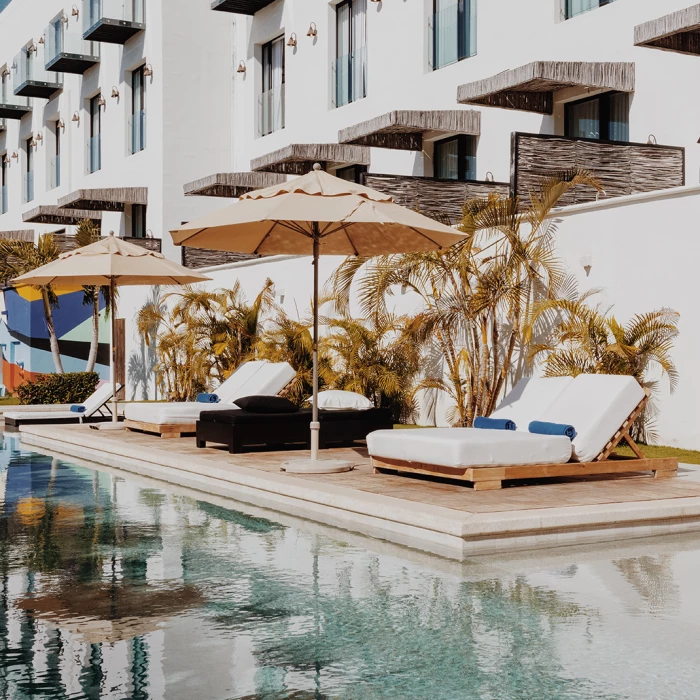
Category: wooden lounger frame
<point>488,478</point>
<point>165,430</point>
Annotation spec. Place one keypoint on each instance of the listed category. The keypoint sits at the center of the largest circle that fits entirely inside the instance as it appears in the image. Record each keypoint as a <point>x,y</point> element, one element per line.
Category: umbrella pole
<point>315,425</point>
<point>113,309</point>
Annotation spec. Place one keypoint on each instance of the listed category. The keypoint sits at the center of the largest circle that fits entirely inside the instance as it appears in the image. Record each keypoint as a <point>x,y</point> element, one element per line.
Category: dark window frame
<point>604,111</point>
<point>568,10</point>
<point>266,73</point>
<point>139,92</point>
<point>352,97</point>
<point>357,170</point>
<point>138,221</point>
<point>463,141</point>
<point>463,44</point>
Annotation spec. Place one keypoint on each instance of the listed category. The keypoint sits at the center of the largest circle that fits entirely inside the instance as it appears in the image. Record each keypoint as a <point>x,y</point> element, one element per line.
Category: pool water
<point>113,588</point>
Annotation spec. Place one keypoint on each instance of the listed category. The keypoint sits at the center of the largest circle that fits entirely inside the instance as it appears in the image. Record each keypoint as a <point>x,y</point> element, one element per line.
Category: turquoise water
<point>111,588</point>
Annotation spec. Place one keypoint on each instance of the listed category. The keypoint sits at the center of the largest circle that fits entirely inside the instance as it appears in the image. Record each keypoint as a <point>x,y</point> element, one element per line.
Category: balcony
<point>678,32</point>
<point>11,106</point>
<point>240,7</point>
<point>350,77</point>
<point>271,111</point>
<point>31,77</point>
<point>66,242</point>
<point>431,196</point>
<point>299,158</point>
<point>622,168</point>
<point>112,21</point>
<point>195,258</point>
<point>65,49</point>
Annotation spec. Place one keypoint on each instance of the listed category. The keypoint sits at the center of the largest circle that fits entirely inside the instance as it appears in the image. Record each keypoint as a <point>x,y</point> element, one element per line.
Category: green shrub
<point>73,387</point>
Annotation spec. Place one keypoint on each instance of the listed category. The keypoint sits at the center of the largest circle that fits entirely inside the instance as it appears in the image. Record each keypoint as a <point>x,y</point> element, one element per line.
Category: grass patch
<point>9,401</point>
<point>650,451</point>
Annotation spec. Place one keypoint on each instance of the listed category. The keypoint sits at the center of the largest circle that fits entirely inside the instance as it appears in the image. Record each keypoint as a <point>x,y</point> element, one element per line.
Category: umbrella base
<point>319,466</point>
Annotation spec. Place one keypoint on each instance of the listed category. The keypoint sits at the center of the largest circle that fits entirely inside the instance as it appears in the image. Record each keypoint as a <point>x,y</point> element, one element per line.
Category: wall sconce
<point>39,137</point>
<point>60,124</point>
<point>587,263</point>
<point>101,102</point>
<point>148,71</point>
<point>64,18</point>
<point>651,140</point>
<point>489,177</point>
<point>115,92</point>
<point>31,143</point>
<point>15,155</point>
<point>312,30</point>
<point>241,67</point>
<point>76,117</point>
<point>5,158</point>
<point>75,12</point>
<point>292,39</point>
<point>5,72</point>
<point>31,48</point>
<point>41,39</point>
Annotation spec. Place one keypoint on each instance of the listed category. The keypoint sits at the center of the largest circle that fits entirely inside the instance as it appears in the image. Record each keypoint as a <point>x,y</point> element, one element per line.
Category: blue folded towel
<point>543,428</point>
<point>78,409</point>
<point>494,423</point>
<point>207,398</point>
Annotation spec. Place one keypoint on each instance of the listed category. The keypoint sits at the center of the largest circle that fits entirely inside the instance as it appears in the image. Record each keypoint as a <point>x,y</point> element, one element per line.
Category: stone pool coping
<point>437,529</point>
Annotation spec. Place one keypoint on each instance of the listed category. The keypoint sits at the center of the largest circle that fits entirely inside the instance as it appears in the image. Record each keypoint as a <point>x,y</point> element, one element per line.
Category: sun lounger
<point>96,409</point>
<point>172,420</point>
<point>241,430</point>
<point>602,409</point>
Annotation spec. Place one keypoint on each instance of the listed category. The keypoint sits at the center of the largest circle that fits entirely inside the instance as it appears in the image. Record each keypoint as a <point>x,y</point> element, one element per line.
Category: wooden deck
<point>550,493</point>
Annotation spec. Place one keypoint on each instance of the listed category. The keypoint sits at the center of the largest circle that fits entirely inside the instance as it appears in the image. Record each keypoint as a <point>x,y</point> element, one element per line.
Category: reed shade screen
<point>231,184</point>
<point>679,32</point>
<point>104,199</point>
<point>299,158</point>
<point>51,214</point>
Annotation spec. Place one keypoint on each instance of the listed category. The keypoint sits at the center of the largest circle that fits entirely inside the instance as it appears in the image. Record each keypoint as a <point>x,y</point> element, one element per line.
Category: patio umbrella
<point>110,262</point>
<point>316,214</point>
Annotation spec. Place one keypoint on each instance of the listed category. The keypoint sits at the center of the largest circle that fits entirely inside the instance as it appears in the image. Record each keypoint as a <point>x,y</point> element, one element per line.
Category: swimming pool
<point>111,587</point>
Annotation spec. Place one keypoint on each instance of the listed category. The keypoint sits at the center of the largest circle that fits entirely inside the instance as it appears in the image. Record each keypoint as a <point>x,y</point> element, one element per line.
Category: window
<point>94,145</point>
<point>353,173</point>
<point>138,221</point>
<point>454,31</point>
<point>29,171</point>
<point>455,158</point>
<point>3,183</point>
<point>138,111</point>
<point>578,7</point>
<point>55,162</point>
<point>350,51</point>
<point>604,117</point>
<point>271,102</point>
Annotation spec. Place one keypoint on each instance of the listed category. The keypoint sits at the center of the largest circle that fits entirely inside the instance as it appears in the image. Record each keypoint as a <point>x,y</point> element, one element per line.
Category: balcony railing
<point>621,168</point>
<point>433,197</point>
<point>28,187</point>
<point>11,106</point>
<point>113,21</point>
<point>271,111</point>
<point>350,77</point>
<point>94,154</point>
<point>31,77</point>
<point>66,242</point>
<point>55,172</point>
<point>3,199</point>
<point>136,129</point>
<point>65,49</point>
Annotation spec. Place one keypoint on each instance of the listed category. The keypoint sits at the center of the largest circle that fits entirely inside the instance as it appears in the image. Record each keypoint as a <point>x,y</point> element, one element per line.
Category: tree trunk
<point>94,342</point>
<point>53,340</point>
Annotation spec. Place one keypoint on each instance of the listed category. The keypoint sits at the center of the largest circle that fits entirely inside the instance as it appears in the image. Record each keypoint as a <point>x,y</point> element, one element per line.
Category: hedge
<point>73,387</point>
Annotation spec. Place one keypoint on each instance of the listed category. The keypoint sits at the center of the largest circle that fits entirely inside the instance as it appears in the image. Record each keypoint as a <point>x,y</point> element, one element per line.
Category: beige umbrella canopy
<point>316,214</point>
<point>110,262</point>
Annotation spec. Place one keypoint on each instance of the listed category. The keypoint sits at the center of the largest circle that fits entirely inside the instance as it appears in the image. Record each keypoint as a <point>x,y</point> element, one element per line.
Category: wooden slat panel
<point>678,31</point>
<point>199,257</point>
<point>622,168</point>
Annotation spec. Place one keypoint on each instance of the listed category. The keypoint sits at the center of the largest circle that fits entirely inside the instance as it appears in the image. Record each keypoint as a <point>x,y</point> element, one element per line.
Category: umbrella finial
<point>111,233</point>
<point>317,166</point>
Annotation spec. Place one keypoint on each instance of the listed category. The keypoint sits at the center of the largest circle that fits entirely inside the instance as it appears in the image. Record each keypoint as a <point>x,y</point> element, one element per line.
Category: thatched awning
<point>105,199</point>
<point>231,184</point>
<point>21,235</point>
<point>299,158</point>
<point>531,87</point>
<point>679,31</point>
<point>51,214</point>
<point>240,7</point>
<point>404,129</point>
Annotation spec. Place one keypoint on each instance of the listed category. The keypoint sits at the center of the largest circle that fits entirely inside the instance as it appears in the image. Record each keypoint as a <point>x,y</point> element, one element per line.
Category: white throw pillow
<point>337,400</point>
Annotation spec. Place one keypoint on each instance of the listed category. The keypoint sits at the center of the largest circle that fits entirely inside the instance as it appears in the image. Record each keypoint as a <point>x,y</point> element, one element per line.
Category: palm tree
<point>87,233</point>
<point>476,294</point>
<point>586,339</point>
<point>20,257</point>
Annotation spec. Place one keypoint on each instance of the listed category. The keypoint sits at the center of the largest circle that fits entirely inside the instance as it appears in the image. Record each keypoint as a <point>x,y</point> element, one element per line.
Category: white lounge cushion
<point>238,379</point>
<point>181,413</point>
<point>97,399</point>
<point>42,415</point>
<point>338,400</point>
<point>269,380</point>
<point>596,405</point>
<point>529,398</point>
<point>466,447</point>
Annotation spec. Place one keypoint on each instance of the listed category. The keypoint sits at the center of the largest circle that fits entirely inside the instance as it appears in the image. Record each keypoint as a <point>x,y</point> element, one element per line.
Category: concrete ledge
<point>436,529</point>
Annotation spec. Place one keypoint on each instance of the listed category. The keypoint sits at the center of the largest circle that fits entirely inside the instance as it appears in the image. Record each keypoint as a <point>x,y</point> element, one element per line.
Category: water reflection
<point>111,589</point>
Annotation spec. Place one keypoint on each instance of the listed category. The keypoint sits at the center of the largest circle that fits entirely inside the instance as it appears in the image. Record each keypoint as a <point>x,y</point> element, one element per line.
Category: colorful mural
<point>24,338</point>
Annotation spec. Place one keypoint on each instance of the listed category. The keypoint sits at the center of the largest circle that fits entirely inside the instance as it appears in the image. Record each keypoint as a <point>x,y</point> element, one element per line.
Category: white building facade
<point>434,101</point>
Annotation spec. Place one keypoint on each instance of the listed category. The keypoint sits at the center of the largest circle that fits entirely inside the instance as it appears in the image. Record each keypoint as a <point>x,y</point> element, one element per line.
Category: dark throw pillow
<point>266,404</point>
